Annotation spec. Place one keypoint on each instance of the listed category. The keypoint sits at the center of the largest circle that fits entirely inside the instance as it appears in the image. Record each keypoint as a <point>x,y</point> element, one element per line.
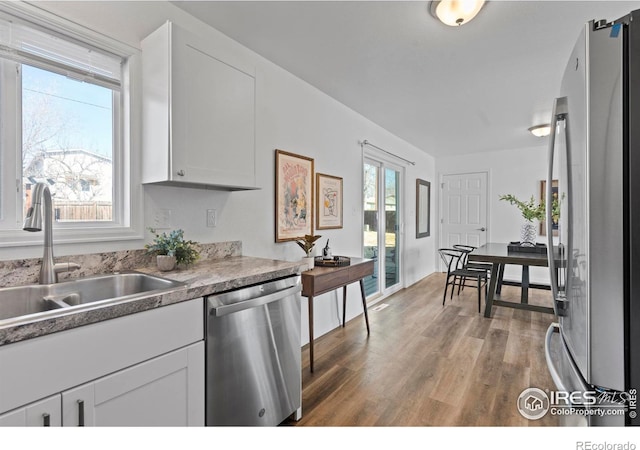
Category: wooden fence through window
<point>79,211</point>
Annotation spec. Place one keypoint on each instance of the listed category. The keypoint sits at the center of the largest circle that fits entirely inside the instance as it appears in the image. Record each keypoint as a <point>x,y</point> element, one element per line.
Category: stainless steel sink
<point>42,300</point>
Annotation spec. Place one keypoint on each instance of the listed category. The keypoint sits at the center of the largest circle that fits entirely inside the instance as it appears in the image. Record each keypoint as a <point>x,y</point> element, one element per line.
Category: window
<point>62,104</point>
<point>67,142</point>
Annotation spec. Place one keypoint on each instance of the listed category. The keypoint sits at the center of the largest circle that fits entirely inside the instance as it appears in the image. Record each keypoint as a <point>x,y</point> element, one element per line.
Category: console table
<point>320,280</point>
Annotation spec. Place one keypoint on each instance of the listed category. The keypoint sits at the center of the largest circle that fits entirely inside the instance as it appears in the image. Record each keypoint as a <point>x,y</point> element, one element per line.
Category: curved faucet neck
<point>41,206</point>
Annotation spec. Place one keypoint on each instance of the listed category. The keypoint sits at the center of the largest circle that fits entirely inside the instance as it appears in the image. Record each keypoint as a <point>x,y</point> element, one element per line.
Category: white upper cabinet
<point>198,113</point>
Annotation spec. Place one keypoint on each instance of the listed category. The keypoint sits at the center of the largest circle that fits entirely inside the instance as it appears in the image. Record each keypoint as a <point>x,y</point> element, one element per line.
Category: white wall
<point>516,172</point>
<point>292,116</point>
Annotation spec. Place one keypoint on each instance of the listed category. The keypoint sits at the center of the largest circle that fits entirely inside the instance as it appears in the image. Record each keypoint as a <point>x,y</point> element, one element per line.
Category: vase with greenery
<point>307,243</point>
<point>530,210</point>
<point>172,249</point>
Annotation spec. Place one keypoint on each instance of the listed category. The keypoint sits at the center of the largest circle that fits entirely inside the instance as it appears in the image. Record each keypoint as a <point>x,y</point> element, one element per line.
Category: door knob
<point>481,229</point>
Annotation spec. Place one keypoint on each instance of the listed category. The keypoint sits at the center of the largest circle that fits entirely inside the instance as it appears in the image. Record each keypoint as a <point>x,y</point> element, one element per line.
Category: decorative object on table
<point>171,249</point>
<point>328,202</point>
<point>423,206</point>
<point>518,247</point>
<point>294,196</point>
<point>555,213</point>
<point>530,212</point>
<point>326,251</point>
<point>336,261</point>
<point>307,244</point>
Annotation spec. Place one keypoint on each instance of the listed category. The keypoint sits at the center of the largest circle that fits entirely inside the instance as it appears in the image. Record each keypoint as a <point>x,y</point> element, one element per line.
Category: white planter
<point>528,234</point>
<point>310,262</point>
<point>166,263</point>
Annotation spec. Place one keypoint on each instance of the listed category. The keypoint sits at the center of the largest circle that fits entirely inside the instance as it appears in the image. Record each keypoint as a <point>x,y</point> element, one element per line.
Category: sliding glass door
<point>382,213</point>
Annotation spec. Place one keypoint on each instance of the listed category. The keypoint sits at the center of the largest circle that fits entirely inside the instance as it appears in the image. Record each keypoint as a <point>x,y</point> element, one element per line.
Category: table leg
<point>344,304</point>
<point>492,289</point>
<point>524,295</point>
<point>364,304</point>
<point>500,277</point>
<point>311,332</point>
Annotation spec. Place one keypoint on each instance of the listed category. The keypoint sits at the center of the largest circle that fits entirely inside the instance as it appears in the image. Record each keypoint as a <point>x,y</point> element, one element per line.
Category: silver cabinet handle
<point>80,413</point>
<point>180,173</point>
<point>46,420</point>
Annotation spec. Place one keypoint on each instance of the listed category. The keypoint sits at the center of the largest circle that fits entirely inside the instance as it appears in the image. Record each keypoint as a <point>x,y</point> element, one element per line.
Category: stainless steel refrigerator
<point>593,352</point>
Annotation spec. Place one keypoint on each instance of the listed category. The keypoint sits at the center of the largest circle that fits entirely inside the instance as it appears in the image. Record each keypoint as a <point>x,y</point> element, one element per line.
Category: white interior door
<point>463,200</point>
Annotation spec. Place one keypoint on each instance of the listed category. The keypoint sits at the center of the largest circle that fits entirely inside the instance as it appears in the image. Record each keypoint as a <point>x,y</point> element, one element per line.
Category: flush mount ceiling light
<point>540,130</point>
<point>455,12</point>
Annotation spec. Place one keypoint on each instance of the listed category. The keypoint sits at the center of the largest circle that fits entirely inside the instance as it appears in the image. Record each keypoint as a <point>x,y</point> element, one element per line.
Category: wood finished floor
<point>428,365</point>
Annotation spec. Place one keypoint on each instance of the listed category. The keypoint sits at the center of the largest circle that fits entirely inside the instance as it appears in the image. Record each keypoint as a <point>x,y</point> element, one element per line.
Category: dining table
<point>499,255</point>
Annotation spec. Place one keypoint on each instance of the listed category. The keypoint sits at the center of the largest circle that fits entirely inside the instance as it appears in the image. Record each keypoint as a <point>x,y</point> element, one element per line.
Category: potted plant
<point>531,211</point>
<point>307,244</point>
<point>171,249</point>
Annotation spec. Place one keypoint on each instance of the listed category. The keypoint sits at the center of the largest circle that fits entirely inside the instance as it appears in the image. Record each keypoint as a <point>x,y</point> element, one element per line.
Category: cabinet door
<point>213,116</point>
<point>43,413</point>
<point>164,391</point>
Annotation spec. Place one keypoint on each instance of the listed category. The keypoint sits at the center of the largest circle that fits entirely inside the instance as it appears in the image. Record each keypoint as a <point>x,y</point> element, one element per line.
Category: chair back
<point>466,249</point>
<point>452,258</point>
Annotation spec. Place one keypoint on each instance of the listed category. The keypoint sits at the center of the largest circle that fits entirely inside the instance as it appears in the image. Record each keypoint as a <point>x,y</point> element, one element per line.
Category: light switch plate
<point>162,218</point>
<point>212,218</point>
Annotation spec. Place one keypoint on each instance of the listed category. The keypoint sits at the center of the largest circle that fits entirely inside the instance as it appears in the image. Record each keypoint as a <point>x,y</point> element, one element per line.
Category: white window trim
<point>130,216</point>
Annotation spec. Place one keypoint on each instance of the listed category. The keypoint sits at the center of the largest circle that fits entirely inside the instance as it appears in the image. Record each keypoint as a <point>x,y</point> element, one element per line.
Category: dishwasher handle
<point>257,301</point>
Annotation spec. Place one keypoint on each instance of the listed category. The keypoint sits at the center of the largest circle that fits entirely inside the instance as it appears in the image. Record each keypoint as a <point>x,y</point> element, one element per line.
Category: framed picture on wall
<point>328,202</point>
<point>294,196</point>
<point>543,198</point>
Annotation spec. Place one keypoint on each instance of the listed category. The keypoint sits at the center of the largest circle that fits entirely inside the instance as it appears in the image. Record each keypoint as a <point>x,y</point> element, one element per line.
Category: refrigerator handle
<point>559,113</point>
<point>555,376</point>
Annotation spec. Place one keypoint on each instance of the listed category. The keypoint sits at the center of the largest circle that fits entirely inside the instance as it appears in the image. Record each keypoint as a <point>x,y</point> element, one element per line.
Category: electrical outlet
<point>212,218</point>
<point>162,218</point>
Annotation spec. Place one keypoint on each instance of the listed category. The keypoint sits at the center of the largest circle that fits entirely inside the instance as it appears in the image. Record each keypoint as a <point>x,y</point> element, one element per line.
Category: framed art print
<point>328,202</point>
<point>294,196</point>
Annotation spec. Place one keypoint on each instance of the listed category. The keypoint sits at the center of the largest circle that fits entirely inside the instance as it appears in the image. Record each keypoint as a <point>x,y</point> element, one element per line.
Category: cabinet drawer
<point>328,282</point>
<point>360,271</point>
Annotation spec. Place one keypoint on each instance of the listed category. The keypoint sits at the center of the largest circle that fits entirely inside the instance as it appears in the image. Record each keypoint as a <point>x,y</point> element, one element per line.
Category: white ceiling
<point>445,90</point>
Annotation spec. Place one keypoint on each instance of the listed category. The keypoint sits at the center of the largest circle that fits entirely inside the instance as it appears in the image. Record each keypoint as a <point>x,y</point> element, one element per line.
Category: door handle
<point>481,229</point>
<point>558,113</point>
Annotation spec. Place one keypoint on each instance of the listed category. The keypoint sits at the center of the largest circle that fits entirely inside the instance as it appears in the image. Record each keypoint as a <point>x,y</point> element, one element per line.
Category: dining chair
<point>470,264</point>
<point>459,275</point>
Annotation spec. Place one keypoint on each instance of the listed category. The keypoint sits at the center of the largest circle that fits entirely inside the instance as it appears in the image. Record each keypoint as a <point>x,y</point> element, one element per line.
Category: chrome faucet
<point>33,222</point>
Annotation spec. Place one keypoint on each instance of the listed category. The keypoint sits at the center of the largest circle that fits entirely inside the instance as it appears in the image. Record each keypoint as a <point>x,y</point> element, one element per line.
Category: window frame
<point>127,216</point>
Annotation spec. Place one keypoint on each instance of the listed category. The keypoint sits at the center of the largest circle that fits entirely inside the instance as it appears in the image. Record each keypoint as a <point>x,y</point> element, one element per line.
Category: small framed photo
<point>328,202</point>
<point>294,196</point>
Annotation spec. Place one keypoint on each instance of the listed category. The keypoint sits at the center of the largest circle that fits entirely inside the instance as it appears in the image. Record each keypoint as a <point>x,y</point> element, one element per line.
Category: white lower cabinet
<point>165,391</point>
<point>144,369</point>
<point>43,413</point>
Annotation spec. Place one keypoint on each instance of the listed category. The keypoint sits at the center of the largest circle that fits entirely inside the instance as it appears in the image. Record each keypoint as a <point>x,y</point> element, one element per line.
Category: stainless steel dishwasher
<point>253,373</point>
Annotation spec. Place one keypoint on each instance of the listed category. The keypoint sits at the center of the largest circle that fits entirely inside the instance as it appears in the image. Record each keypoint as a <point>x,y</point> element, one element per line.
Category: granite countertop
<point>204,278</point>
